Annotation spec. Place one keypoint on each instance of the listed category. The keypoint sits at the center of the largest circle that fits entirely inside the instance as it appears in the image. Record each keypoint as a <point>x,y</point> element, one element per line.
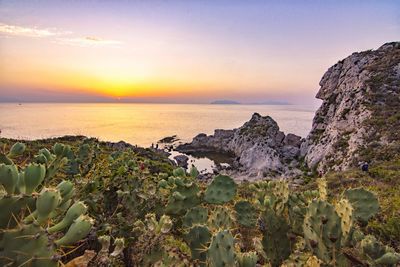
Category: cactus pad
<point>246,214</point>
<point>221,251</point>
<point>222,189</point>
<point>198,239</point>
<point>365,203</point>
<point>196,215</point>
<point>322,230</point>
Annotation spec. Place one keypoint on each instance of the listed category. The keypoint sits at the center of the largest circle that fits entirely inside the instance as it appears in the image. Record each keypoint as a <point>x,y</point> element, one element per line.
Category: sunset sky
<point>182,51</point>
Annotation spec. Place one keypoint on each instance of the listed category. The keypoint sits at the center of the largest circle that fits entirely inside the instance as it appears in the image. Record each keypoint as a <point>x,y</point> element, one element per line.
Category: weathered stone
<point>182,161</point>
<point>356,91</point>
<point>259,146</point>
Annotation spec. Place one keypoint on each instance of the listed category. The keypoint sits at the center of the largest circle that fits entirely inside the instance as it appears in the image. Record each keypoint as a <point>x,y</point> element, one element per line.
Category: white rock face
<point>352,91</point>
<point>359,120</point>
<point>259,145</point>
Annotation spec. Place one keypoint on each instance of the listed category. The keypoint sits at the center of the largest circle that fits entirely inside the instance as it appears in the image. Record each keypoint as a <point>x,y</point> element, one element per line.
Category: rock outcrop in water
<point>359,119</point>
<point>259,146</point>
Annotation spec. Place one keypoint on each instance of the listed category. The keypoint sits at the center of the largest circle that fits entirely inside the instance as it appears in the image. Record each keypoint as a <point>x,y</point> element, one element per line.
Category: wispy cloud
<point>88,41</point>
<point>13,30</point>
<point>55,36</point>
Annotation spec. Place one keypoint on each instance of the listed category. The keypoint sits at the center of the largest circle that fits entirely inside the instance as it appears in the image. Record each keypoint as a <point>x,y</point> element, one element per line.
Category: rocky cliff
<point>359,119</point>
<point>259,146</point>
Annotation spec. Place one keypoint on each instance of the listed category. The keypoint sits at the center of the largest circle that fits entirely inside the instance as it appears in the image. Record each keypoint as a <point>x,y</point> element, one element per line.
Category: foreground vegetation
<point>87,203</point>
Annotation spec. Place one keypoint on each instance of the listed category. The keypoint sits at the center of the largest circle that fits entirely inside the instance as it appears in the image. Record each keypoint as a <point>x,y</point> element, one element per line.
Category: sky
<point>182,51</point>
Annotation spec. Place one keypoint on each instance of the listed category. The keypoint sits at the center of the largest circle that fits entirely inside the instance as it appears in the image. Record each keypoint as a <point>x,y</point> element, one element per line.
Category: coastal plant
<point>184,194</point>
<point>198,238</point>
<point>220,218</point>
<point>364,202</point>
<point>221,250</point>
<point>221,190</point>
<point>322,231</point>
<point>195,215</point>
<point>31,220</point>
<point>246,214</point>
<point>246,259</point>
<point>275,240</point>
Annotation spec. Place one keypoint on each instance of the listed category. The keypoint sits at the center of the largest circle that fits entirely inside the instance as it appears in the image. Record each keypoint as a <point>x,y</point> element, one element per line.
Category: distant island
<point>232,102</point>
<point>225,102</point>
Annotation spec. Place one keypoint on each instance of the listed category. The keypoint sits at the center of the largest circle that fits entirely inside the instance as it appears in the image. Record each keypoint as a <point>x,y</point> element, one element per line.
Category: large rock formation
<point>359,119</point>
<point>260,147</point>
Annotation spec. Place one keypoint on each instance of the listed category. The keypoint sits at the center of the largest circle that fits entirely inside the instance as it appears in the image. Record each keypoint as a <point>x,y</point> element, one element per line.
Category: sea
<point>141,124</point>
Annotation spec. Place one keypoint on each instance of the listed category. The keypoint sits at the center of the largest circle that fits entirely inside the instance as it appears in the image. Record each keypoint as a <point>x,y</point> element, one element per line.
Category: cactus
<point>371,247</point>
<point>179,172</point>
<point>345,211</point>
<point>220,218</point>
<point>272,194</point>
<point>221,251</point>
<point>33,176</point>
<point>9,177</point>
<point>196,215</point>
<point>388,259</point>
<point>221,190</point>
<point>297,208</point>
<point>24,240</point>
<point>17,150</point>
<point>322,189</point>
<point>275,241</point>
<point>198,239</point>
<point>247,259</point>
<point>281,193</point>
<point>194,172</point>
<point>246,214</point>
<point>322,231</point>
<point>78,230</point>
<point>73,213</point>
<point>27,245</point>
<point>365,203</point>
<point>162,226</point>
<point>46,203</point>
<point>184,196</point>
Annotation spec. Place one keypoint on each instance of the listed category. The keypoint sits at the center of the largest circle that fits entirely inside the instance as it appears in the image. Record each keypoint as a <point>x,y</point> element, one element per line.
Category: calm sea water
<point>141,124</point>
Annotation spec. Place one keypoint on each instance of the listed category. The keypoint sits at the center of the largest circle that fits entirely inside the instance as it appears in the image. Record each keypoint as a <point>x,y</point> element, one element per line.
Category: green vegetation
<point>88,201</point>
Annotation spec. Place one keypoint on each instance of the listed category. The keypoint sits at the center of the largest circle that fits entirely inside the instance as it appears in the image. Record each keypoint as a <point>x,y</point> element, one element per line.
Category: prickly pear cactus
<point>179,172</point>
<point>196,215</point>
<point>184,195</point>
<point>275,241</point>
<point>27,214</point>
<point>297,208</point>
<point>345,211</point>
<point>247,259</point>
<point>371,247</point>
<point>27,245</point>
<point>322,231</point>
<point>220,218</point>
<point>388,259</point>
<point>281,193</point>
<point>365,203</point>
<point>322,189</point>
<point>221,251</point>
<point>246,214</point>
<point>271,194</point>
<point>221,190</point>
<point>198,239</point>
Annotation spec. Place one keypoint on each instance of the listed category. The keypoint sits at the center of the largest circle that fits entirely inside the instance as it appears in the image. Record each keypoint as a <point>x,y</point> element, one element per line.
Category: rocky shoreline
<point>359,93</point>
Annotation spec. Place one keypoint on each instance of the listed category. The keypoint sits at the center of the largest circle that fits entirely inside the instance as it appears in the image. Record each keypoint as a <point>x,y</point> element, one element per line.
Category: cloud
<point>88,41</point>
<point>34,32</point>
<point>56,36</point>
